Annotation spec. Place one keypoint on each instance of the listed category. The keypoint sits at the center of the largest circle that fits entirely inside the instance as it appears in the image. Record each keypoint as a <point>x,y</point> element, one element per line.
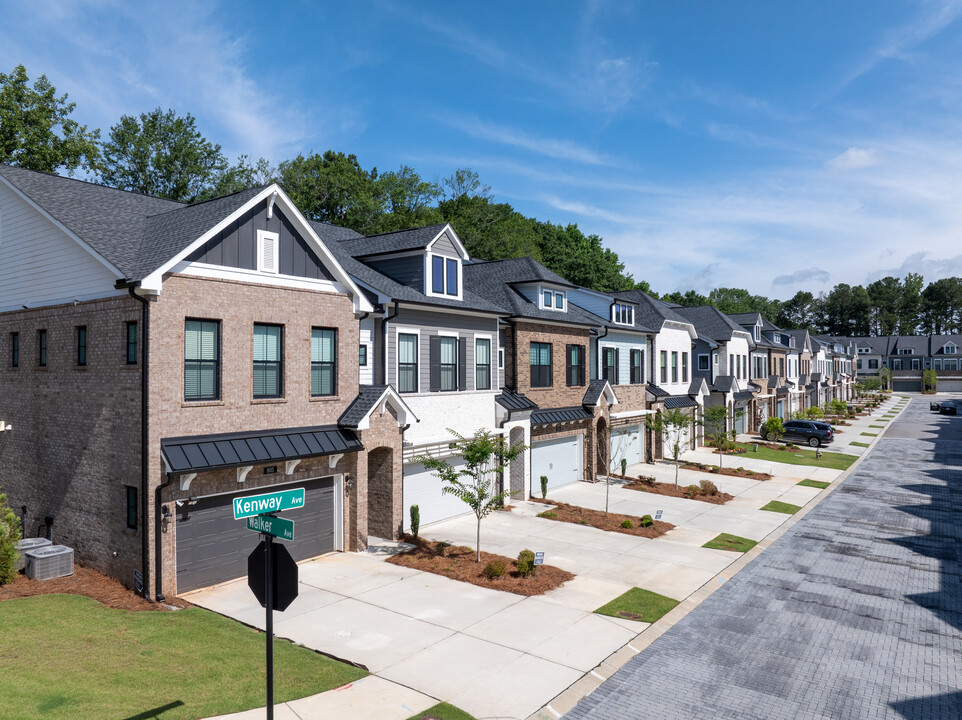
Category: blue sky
<point>767,145</point>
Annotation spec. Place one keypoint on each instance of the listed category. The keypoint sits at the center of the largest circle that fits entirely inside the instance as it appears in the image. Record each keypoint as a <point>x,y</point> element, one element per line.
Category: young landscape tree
<point>36,130</point>
<point>671,425</point>
<point>485,458</point>
<point>715,421</point>
<point>930,381</point>
<point>10,535</point>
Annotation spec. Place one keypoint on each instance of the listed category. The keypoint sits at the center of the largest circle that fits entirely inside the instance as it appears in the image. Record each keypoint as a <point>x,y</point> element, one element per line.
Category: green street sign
<point>271,502</point>
<point>278,527</point>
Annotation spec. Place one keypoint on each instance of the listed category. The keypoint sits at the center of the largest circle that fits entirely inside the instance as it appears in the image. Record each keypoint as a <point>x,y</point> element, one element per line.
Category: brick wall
<point>75,441</point>
<point>559,394</point>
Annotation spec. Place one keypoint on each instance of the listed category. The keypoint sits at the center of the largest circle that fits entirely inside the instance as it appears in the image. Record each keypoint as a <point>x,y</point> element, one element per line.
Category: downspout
<point>144,439</point>
<point>387,319</point>
<point>598,352</point>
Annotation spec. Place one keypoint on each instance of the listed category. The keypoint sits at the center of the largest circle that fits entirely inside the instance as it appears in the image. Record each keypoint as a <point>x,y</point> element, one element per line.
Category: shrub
<point>10,535</point>
<point>815,413</point>
<point>525,563</point>
<point>624,466</point>
<point>648,480</point>
<point>773,429</point>
<point>548,514</point>
<point>442,546</point>
<point>494,570</point>
<point>714,470</point>
<point>708,487</point>
<point>692,491</point>
<point>415,520</point>
<point>750,472</point>
<point>627,524</point>
<point>646,521</point>
<point>544,486</point>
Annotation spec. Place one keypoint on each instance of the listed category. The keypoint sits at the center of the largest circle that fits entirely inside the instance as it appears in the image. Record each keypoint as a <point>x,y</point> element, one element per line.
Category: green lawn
<point>870,434</point>
<point>731,542</point>
<point>67,656</point>
<point>858,444</point>
<point>877,426</point>
<point>834,460</point>
<point>820,484</point>
<point>638,604</point>
<point>787,508</point>
<point>443,711</point>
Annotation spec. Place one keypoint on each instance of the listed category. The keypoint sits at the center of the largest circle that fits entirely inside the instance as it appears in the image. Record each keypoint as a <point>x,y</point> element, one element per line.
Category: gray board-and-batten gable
<point>236,246</point>
<point>429,324</point>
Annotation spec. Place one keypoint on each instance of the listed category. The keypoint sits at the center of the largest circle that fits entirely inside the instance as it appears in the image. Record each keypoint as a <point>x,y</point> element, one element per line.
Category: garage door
<point>950,386</point>
<point>907,386</point>
<point>424,489</point>
<point>560,460</point>
<point>212,546</point>
<point>626,442</point>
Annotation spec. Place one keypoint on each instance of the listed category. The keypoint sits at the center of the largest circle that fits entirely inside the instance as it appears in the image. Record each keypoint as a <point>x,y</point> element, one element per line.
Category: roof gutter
<point>131,287</point>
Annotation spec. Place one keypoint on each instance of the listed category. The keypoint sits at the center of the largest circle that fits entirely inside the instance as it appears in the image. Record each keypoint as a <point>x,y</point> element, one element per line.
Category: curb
<point>566,700</point>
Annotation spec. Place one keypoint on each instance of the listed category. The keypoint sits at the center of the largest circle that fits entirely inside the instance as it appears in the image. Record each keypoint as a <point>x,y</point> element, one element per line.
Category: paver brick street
<point>856,612</point>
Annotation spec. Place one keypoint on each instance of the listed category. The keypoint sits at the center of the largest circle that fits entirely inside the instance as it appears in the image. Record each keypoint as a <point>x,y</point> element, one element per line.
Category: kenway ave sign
<point>271,502</point>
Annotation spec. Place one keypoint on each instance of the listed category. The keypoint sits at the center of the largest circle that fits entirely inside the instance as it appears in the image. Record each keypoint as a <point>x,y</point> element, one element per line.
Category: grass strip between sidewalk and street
<point>443,711</point>
<point>782,507</point>
<point>858,444</point>
<point>73,657</point>
<point>870,434</point>
<point>820,484</point>
<point>637,604</point>
<point>833,460</point>
<point>733,543</point>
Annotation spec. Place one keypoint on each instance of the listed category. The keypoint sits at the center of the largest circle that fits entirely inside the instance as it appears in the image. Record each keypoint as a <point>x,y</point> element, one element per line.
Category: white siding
<point>40,264</point>
<point>366,374</point>
<point>463,412</point>
<point>671,340</point>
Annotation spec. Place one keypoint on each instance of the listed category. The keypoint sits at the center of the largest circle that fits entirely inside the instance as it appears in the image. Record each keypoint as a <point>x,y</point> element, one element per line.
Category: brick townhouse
<point>162,359</point>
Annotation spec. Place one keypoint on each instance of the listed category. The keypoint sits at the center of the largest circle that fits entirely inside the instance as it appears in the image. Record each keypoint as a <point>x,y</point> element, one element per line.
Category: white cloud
<point>854,159</point>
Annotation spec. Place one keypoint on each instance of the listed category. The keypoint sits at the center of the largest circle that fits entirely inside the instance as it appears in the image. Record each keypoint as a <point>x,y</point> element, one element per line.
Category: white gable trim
<point>153,282</point>
<point>63,228</point>
<point>459,246</point>
<point>405,416</point>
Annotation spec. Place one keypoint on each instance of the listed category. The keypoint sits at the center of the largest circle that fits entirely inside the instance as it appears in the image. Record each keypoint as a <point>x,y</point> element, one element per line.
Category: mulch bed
<point>669,490</point>
<point>90,583</point>
<point>732,472</point>
<point>598,519</point>
<point>458,563</point>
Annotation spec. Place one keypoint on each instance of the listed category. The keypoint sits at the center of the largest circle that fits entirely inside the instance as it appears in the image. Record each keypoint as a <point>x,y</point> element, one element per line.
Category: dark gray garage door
<point>907,386</point>
<point>213,547</point>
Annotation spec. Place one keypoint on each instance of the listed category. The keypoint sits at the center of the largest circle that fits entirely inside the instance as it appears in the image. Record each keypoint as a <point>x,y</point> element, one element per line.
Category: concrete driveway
<point>498,655</point>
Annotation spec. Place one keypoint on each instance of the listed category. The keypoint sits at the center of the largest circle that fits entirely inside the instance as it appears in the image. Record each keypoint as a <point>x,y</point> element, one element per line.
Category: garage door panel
<point>559,459</point>
<point>212,547</point>
<point>424,489</point>
<point>626,442</point>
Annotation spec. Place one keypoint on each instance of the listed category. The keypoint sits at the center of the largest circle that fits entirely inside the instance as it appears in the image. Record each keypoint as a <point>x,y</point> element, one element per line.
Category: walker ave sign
<point>278,527</point>
<point>271,502</point>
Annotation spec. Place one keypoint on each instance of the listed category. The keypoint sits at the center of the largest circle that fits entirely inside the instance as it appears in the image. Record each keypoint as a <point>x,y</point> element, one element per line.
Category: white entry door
<point>559,460</point>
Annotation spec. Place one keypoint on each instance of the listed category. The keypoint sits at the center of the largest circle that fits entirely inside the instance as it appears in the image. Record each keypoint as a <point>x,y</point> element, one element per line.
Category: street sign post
<point>539,558</point>
<point>278,527</point>
<point>271,502</point>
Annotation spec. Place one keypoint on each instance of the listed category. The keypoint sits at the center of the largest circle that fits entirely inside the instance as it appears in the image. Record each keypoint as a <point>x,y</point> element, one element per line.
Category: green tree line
<point>163,154</point>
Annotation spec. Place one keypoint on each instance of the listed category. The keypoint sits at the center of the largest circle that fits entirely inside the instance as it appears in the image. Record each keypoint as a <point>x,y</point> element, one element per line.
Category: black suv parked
<point>811,432</point>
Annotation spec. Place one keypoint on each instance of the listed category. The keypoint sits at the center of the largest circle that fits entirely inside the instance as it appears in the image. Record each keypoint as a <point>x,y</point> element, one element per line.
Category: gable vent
<point>267,251</point>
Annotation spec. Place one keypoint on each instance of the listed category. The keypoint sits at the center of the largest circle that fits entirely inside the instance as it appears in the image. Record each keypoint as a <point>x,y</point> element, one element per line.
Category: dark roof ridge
<point>402,230</point>
<point>93,184</point>
<point>185,206</point>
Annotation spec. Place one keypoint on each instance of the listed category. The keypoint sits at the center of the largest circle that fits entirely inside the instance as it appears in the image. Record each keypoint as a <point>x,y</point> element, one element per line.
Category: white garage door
<point>559,460</point>
<point>426,490</point>
<point>950,386</point>
<point>628,443</point>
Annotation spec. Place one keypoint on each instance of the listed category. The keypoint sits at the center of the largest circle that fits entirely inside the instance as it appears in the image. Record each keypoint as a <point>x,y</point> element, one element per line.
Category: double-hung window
<point>482,364</point>
<point>14,349</point>
<point>81,345</point>
<point>324,362</point>
<point>540,364</point>
<point>131,343</point>
<point>674,367</point>
<point>201,360</point>
<point>449,364</point>
<point>609,365</point>
<point>575,365</point>
<point>684,367</point>
<point>664,366</point>
<point>268,361</point>
<point>637,367</point>
<point>407,363</point>
<point>362,355</point>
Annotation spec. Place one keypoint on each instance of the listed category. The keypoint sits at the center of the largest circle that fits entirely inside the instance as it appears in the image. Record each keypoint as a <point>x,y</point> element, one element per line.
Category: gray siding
<point>429,324</point>
<point>236,246</point>
<point>404,270</point>
<point>444,246</point>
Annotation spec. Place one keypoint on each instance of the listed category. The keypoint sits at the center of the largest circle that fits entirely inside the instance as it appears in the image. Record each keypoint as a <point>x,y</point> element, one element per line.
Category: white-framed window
<point>950,348</point>
<point>482,363</point>
<point>408,360</point>
<point>444,276</point>
<point>552,299</point>
<point>268,251</point>
<point>547,298</point>
<point>703,362</point>
<point>622,314</point>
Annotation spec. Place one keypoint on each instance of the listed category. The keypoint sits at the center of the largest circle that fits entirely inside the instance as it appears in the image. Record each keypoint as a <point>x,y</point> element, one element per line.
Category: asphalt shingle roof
<point>710,322</point>
<point>649,312</point>
<point>724,383</point>
<point>397,241</point>
<point>657,391</point>
<point>594,391</point>
<point>367,398</point>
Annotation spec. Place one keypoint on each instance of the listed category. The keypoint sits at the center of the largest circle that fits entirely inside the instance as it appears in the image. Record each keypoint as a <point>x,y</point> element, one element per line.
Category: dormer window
<point>756,334</point>
<point>863,350</point>
<point>950,348</point>
<point>552,300</point>
<point>906,351</point>
<point>445,276</point>
<point>622,314</point>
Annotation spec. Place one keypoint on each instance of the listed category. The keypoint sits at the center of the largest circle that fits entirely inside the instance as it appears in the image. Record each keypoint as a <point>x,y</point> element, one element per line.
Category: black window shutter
<point>569,366</point>
<point>617,366</point>
<point>463,363</point>
<point>435,363</point>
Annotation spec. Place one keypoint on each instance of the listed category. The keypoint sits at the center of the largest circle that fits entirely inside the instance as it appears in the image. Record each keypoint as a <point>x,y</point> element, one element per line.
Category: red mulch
<point>610,522</point>
<point>731,472</point>
<point>459,563</point>
<point>90,583</point>
<point>668,489</point>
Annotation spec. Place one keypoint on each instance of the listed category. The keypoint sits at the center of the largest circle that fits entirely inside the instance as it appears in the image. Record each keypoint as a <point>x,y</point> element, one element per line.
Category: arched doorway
<point>603,448</point>
<point>516,471</point>
<point>382,521</point>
